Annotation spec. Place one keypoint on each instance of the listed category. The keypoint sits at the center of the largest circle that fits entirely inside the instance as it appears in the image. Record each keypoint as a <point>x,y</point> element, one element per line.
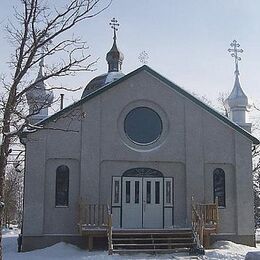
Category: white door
<point>152,203</point>
<point>142,202</point>
<point>132,202</point>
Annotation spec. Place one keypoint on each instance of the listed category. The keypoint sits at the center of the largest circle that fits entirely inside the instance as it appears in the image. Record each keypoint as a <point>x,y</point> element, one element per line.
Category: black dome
<point>100,81</point>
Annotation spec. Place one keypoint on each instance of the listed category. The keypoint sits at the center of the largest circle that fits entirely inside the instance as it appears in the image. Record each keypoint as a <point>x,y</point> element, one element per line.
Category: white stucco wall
<point>193,143</point>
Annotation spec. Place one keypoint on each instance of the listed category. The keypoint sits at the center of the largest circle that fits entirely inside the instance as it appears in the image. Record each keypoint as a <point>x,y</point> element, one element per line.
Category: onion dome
<point>237,97</point>
<point>114,60</point>
<point>39,98</point>
<point>114,57</point>
<point>237,100</point>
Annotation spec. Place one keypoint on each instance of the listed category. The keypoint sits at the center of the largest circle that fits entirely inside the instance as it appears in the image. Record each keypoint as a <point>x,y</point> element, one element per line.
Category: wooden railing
<point>205,221</point>
<point>210,215</point>
<point>94,218</point>
<point>93,215</point>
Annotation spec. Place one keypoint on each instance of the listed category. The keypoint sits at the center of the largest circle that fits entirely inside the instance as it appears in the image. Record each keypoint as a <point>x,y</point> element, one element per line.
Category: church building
<point>136,148</point>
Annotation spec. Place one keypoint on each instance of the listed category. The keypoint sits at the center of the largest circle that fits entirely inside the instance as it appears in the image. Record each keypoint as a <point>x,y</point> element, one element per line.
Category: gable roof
<point>167,82</point>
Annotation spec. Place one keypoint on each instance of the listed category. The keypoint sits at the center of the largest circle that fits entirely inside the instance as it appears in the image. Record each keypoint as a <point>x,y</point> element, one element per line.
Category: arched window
<point>219,186</point>
<point>62,186</point>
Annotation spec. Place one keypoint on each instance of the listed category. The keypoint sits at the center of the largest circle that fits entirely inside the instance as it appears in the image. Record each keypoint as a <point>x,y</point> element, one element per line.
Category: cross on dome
<point>114,24</point>
<point>143,57</point>
<point>234,54</point>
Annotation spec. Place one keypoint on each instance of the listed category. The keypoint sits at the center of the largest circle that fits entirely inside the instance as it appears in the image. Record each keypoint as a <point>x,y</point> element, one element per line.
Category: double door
<point>142,202</point>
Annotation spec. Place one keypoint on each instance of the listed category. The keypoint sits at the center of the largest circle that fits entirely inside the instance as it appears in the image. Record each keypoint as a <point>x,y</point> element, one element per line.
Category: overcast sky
<point>186,40</point>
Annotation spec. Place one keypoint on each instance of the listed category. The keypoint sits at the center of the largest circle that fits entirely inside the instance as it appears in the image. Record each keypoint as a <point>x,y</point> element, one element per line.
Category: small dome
<point>114,58</point>
<point>237,97</point>
<point>102,80</point>
<point>115,54</point>
<point>38,94</point>
<point>39,98</point>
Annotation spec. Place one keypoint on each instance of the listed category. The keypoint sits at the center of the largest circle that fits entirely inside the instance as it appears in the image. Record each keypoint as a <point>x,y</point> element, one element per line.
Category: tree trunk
<point>3,162</point>
<point>4,150</point>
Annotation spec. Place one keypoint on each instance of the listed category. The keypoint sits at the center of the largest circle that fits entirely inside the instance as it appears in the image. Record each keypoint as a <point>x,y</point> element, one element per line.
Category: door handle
<point>144,202</point>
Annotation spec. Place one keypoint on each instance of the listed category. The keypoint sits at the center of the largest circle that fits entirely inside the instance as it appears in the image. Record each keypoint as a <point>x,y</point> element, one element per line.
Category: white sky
<point>186,40</point>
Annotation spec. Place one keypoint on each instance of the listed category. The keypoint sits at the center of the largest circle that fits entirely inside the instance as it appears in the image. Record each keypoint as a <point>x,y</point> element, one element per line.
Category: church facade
<point>145,147</point>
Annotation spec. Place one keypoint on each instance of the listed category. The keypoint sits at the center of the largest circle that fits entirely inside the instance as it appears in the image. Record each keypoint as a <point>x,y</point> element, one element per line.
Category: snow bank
<point>257,235</point>
<point>229,250</point>
<point>222,250</point>
<point>10,232</point>
<point>62,251</point>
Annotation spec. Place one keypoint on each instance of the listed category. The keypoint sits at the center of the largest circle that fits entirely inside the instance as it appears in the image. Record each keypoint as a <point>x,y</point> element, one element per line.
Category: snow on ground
<point>229,250</point>
<point>222,250</point>
<point>257,235</point>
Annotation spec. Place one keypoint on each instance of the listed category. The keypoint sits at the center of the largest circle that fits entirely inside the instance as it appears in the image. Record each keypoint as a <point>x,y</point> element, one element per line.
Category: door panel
<point>132,202</point>
<point>152,203</point>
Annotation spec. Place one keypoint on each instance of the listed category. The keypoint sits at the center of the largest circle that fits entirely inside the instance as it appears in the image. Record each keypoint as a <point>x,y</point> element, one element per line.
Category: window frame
<point>114,180</point>
<point>168,180</point>
<point>66,177</point>
<point>219,172</point>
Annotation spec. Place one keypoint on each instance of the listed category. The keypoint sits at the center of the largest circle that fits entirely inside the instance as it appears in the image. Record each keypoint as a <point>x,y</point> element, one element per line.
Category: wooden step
<point>180,250</point>
<point>154,234</point>
<point>160,231</point>
<point>153,240</point>
<point>157,244</point>
<point>127,235</point>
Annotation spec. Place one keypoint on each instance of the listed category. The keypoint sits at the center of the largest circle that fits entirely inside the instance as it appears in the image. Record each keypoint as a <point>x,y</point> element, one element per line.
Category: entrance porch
<point>96,221</point>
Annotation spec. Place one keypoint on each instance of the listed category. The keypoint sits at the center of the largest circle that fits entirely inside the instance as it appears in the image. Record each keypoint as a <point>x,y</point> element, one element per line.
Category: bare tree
<point>256,167</point>
<point>13,195</point>
<point>39,30</point>
<point>203,98</point>
<point>222,104</point>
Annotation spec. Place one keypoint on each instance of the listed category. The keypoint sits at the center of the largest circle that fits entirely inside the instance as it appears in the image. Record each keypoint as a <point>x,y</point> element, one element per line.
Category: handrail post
<point>82,213</point>
<point>217,214</point>
<point>202,230</point>
<point>81,208</point>
<point>197,224</point>
<point>109,232</point>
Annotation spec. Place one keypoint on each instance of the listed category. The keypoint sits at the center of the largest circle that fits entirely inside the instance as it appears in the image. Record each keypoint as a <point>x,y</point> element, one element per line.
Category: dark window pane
<point>219,186</point>
<point>143,125</point>
<point>168,192</point>
<point>157,192</point>
<point>127,195</point>
<point>136,191</point>
<point>62,186</point>
<point>116,192</point>
<point>148,192</point>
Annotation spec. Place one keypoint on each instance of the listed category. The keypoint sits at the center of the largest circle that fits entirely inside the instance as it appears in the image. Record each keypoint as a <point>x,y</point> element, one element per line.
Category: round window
<point>143,125</point>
